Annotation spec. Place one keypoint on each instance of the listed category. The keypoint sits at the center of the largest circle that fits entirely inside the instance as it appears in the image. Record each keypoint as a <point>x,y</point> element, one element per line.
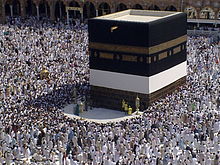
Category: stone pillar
<point>216,13</point>
<point>23,11</point>
<point>82,19</point>
<point>198,10</point>
<point>96,13</point>
<point>38,14</point>
<point>129,5</point>
<point>52,10</point>
<point>11,10</point>
<point>113,9</point>
<point>181,7</point>
<point>67,17</point>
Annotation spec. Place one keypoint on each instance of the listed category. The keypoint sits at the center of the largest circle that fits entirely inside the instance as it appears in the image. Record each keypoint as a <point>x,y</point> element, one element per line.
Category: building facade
<point>54,9</point>
<point>135,52</point>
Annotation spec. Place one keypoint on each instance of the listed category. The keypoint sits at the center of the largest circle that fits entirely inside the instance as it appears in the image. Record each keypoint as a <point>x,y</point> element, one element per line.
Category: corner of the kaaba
<point>126,56</point>
<point>167,29</point>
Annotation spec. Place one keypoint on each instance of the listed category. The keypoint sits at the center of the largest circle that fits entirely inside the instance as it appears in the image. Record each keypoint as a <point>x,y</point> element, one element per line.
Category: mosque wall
<point>208,9</point>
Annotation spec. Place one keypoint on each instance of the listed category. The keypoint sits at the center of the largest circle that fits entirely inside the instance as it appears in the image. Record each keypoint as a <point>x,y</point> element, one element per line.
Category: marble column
<point>113,9</point>
<point>67,17</point>
<point>52,11</point>
<point>38,14</point>
<point>23,12</point>
<point>82,19</point>
<point>96,13</point>
<point>11,10</point>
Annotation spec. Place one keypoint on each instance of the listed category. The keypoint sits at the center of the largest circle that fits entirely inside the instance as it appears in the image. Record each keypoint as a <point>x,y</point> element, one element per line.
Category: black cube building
<point>136,52</point>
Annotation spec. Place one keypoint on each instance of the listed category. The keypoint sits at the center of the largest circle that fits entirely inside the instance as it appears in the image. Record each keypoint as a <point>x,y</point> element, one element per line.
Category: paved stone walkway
<point>99,115</point>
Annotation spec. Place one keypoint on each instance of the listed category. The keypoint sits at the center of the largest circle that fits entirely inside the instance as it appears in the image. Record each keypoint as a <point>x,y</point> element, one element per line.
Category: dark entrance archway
<point>60,11</point>
<point>89,10</point>
<point>7,9</point>
<point>104,9</point>
<point>44,9</point>
<point>31,8</point>
<point>154,7</point>
<point>170,8</point>
<point>72,13</point>
<point>16,8</point>
<point>138,6</point>
<point>121,7</point>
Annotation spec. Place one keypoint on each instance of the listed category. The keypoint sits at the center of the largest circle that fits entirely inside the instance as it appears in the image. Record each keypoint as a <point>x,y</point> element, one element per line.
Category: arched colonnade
<point>56,9</point>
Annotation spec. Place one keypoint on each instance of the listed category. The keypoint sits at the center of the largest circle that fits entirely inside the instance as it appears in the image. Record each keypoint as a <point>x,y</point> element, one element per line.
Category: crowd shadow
<point>60,96</point>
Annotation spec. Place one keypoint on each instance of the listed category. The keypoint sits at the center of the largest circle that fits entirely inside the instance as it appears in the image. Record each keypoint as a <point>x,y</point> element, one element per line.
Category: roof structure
<point>133,15</point>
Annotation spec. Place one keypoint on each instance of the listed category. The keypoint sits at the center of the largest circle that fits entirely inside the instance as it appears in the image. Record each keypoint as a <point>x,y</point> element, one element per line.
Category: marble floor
<point>100,115</point>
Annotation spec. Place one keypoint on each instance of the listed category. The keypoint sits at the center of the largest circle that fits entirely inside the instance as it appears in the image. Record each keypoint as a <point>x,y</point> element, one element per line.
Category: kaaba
<point>136,53</point>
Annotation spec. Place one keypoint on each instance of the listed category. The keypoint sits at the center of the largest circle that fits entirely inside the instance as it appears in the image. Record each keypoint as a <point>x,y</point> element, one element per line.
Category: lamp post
<point>137,104</point>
